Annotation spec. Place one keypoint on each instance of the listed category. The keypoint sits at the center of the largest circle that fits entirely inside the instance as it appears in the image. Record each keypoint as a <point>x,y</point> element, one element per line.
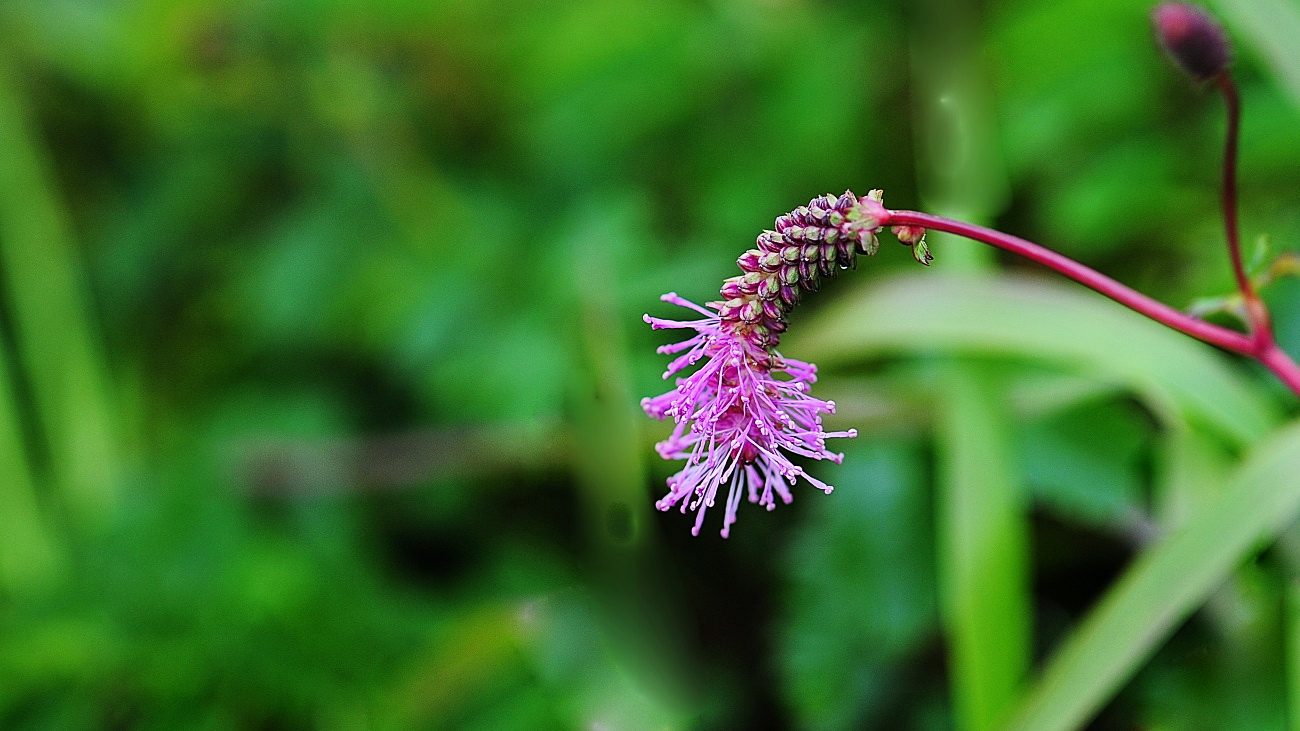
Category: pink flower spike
<point>739,418</point>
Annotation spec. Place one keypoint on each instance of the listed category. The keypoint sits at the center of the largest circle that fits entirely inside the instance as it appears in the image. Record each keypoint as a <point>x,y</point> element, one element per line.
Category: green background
<point>322,353</point>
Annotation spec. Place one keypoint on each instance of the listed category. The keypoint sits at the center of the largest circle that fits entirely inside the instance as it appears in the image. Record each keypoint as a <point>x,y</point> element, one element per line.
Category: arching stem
<point>1257,316</point>
<point>1262,349</point>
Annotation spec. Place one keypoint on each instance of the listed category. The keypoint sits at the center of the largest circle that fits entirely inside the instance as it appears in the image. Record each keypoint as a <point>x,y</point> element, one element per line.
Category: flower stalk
<point>1261,348</point>
<point>1257,315</point>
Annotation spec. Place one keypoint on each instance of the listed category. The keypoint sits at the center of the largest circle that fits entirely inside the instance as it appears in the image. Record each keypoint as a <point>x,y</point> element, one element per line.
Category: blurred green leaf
<point>982,543</point>
<point>1086,461</point>
<point>54,330</point>
<point>1192,469</point>
<point>869,546</point>
<point>1269,26</point>
<point>1058,324</point>
<point>1163,586</point>
<point>29,553</point>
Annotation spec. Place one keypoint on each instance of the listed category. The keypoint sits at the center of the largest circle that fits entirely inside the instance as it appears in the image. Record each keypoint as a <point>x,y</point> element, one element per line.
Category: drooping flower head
<point>747,410</point>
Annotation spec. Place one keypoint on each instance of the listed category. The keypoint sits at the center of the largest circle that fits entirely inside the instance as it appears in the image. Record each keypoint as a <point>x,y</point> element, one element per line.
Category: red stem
<point>1256,313</point>
<point>1263,350</point>
<point>1232,104</point>
<point>1277,361</point>
<point>1158,311</point>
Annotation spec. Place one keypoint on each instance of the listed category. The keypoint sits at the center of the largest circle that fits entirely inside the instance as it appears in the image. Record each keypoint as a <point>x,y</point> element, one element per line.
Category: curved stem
<point>1261,348</point>
<point>1277,361</point>
<point>1232,104</point>
<point>1256,314</point>
<point>1125,295</point>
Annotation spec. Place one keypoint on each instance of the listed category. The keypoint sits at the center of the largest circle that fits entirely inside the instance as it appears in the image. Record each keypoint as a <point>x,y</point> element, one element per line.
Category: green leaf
<point>1270,26</point>
<point>1085,460</point>
<point>982,550</point>
<point>868,547</point>
<point>49,303</point>
<point>1164,586</point>
<point>1191,468</point>
<point>1063,325</point>
<point>29,555</point>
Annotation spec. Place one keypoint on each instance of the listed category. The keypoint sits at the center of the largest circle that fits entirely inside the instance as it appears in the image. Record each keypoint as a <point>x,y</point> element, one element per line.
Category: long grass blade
<point>28,553</point>
<point>1163,587</point>
<point>47,296</point>
<point>982,549</point>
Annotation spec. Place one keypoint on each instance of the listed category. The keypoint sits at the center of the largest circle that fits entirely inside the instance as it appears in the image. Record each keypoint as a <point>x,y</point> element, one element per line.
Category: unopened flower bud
<point>1193,39</point>
<point>909,234</point>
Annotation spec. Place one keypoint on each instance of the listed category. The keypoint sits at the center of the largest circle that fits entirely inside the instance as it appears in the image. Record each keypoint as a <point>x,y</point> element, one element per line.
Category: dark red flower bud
<point>1192,38</point>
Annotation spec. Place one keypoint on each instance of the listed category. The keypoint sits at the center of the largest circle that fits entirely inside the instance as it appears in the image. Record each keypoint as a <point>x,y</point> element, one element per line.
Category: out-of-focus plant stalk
<point>44,285</point>
<point>28,553</point>
<point>958,169</point>
<point>983,547</point>
<point>982,535</point>
<point>1291,635</point>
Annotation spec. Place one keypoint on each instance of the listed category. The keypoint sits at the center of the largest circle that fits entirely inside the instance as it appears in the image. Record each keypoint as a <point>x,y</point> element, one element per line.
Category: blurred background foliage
<point>322,353</point>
